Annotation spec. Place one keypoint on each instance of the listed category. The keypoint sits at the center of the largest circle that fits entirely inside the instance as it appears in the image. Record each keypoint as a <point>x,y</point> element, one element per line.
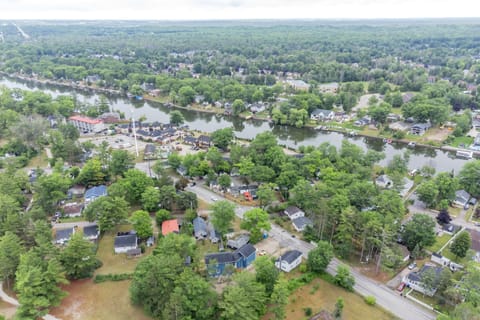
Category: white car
<point>213,199</point>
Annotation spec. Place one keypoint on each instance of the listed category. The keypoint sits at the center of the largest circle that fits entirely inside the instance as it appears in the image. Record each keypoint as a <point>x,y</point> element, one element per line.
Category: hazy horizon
<point>227,10</point>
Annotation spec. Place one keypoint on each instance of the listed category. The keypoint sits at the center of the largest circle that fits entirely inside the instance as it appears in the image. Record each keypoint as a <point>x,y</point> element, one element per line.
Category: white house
<point>461,198</point>
<point>322,115</point>
<point>289,260</point>
<point>420,128</point>
<point>414,280</point>
<point>294,212</point>
<point>86,124</point>
<point>301,223</point>
<point>124,243</point>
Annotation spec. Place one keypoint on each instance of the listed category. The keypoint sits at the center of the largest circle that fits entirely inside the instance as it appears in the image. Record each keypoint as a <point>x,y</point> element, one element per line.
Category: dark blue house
<point>238,259</point>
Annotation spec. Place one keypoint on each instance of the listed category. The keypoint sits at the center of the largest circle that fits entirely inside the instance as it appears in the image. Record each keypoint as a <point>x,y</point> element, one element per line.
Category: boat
<point>464,154</point>
<point>411,144</point>
<point>385,140</point>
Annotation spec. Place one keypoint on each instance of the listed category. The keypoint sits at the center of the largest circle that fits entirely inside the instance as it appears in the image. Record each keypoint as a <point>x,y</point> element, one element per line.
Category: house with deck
<point>241,258</point>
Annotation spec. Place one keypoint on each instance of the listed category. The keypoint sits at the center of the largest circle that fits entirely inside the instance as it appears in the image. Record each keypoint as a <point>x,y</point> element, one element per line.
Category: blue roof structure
<point>96,192</point>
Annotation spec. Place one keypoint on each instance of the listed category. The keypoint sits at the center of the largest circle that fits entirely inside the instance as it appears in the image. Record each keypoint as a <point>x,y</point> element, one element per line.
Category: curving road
<point>386,298</point>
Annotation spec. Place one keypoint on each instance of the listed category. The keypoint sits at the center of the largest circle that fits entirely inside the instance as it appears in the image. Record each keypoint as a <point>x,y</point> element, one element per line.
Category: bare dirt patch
<point>7,310</point>
<point>437,134</point>
<point>108,300</point>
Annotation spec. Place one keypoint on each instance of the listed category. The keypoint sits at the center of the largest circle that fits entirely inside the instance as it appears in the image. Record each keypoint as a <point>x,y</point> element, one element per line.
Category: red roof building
<point>169,226</point>
<point>86,124</point>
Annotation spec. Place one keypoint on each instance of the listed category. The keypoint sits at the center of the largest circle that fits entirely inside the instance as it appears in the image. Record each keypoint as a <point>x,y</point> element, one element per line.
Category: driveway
<point>385,297</point>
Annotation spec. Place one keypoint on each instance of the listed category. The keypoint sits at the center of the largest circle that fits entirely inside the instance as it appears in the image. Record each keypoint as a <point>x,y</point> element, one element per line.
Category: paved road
<point>387,298</point>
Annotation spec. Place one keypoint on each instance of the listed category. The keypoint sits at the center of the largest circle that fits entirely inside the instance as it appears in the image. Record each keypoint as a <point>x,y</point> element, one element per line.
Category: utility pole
<point>134,134</point>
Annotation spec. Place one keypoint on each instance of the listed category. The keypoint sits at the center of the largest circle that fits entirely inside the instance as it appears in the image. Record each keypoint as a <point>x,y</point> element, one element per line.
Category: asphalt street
<point>388,299</point>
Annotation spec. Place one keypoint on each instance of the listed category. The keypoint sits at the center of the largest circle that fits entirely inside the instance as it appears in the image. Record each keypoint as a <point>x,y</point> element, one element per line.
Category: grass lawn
<point>431,301</point>
<point>115,263</point>
<point>73,219</point>
<point>320,294</point>
<point>439,242</point>
<point>454,211</point>
<point>108,300</point>
<point>466,141</point>
<point>448,254</point>
<point>39,161</point>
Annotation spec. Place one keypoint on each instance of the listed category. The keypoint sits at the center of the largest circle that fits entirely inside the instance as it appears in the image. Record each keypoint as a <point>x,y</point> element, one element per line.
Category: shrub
<point>370,300</point>
<point>112,277</point>
<point>302,268</point>
<point>308,311</point>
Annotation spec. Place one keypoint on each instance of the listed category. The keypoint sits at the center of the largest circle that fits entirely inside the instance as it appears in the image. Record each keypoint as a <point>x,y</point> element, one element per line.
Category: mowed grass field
<point>320,295</point>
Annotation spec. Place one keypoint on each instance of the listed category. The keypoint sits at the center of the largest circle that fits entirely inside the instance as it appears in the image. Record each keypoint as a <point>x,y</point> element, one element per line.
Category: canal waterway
<point>248,129</point>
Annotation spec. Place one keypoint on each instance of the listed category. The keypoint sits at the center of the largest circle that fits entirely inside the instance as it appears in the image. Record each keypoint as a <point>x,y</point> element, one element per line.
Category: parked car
<point>401,286</point>
<point>412,265</point>
<point>213,199</point>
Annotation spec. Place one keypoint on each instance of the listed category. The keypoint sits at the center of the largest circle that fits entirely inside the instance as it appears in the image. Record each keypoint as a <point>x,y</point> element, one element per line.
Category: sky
<point>234,9</point>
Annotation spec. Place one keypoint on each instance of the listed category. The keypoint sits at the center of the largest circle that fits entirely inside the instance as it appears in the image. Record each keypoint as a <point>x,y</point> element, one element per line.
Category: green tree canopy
<point>255,220</point>
<point>78,257</point>
<point>320,257</point>
<point>142,223</point>
<point>223,213</point>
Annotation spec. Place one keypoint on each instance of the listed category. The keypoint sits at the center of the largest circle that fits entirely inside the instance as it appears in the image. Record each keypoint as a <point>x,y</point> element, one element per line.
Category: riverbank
<point>289,136</point>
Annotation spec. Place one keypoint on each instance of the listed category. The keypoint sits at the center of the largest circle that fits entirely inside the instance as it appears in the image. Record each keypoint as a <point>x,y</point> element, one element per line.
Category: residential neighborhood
<point>239,169</point>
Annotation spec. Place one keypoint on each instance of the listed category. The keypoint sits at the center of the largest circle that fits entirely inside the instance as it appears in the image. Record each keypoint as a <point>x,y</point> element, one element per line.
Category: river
<point>289,136</point>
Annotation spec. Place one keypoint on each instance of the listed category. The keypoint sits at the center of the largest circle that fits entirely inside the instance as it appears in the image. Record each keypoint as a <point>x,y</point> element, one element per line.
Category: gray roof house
<point>91,232</point>
<point>301,223</point>
<point>182,171</point>
<point>150,152</point>
<point>124,243</point>
<point>199,228</point>
<point>94,193</point>
<point>238,259</point>
<point>294,212</point>
<point>420,128</point>
<point>289,260</point>
<point>238,242</point>
<point>73,209</point>
<point>322,115</point>
<point>461,198</point>
<point>414,280</point>
<point>62,236</point>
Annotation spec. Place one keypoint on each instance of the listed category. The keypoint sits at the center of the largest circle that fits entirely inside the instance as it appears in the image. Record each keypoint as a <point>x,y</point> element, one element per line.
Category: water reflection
<point>289,136</point>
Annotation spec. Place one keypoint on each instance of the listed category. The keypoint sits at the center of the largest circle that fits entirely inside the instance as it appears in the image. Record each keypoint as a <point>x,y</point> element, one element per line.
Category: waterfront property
<point>420,128</point>
<point>322,115</point>
<point>86,124</point>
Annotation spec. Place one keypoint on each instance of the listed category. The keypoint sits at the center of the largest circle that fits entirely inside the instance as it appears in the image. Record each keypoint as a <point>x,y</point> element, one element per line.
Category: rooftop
<point>169,226</point>
<point>129,240</point>
<point>85,119</point>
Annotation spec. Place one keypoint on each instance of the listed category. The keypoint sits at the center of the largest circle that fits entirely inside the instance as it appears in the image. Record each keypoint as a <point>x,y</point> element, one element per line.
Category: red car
<point>401,286</point>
